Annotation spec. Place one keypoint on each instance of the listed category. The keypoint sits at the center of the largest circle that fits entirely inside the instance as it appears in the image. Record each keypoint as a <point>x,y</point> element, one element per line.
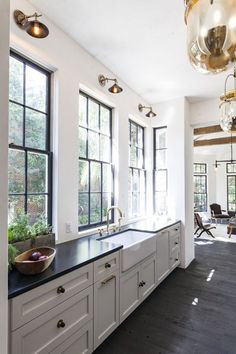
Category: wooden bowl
<point>25,266</point>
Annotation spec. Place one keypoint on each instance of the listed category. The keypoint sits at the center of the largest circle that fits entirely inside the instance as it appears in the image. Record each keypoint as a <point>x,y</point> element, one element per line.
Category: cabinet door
<point>80,342</point>
<point>175,258</point>
<point>163,265</point>
<point>148,276</point>
<point>129,292</point>
<point>106,307</point>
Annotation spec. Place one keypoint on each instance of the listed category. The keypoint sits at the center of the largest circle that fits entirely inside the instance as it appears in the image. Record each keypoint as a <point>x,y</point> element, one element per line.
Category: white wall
<point>74,68</point>
<point>175,115</point>
<point>205,112</point>
<point>4,50</point>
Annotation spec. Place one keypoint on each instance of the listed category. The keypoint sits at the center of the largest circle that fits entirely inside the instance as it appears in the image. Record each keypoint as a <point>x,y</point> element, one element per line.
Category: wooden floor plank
<point>167,322</point>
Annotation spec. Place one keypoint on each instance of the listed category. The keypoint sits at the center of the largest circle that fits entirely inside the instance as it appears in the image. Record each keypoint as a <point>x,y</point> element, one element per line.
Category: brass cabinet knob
<point>140,284</point>
<point>176,259</point>
<point>61,324</point>
<point>60,290</point>
<point>107,265</point>
<point>144,283</point>
<point>176,243</point>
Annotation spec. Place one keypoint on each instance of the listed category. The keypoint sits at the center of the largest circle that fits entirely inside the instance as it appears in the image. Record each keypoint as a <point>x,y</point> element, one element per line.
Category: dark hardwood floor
<point>186,314</point>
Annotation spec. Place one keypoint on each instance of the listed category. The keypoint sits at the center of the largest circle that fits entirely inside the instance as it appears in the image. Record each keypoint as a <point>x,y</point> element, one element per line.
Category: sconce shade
<point>115,89</point>
<point>151,114</point>
<point>37,29</point>
<point>228,107</point>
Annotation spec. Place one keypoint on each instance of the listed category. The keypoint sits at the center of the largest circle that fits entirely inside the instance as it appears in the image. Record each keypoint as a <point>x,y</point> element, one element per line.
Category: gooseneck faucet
<point>119,220</point>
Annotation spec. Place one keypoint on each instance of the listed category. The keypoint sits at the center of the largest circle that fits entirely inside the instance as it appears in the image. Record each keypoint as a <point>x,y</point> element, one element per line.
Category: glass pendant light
<point>228,107</point>
<point>211,34</point>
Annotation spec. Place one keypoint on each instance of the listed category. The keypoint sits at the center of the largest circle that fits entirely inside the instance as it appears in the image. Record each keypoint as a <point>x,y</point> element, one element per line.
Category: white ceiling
<point>142,42</point>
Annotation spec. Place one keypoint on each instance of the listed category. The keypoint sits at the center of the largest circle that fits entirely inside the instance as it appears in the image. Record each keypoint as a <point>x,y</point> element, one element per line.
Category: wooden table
<point>230,229</point>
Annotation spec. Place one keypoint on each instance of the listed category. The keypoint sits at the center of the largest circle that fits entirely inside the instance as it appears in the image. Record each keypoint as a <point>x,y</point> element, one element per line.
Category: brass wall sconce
<point>114,88</point>
<point>150,114</point>
<point>34,28</point>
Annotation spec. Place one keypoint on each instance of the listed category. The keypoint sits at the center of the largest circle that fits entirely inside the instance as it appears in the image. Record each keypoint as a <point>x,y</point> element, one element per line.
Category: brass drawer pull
<point>108,279</point>
<point>176,229</point>
<point>176,259</point>
<point>176,243</point>
<point>107,265</point>
<point>61,324</point>
<point>142,283</point>
<point>60,290</point>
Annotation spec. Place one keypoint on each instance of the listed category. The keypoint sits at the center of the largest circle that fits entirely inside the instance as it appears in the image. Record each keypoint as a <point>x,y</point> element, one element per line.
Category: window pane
<point>16,206</point>
<point>135,204</point>
<point>93,115</point>
<point>82,142</point>
<point>133,137</point>
<point>161,203</point>
<point>95,208</point>
<point>36,89</point>
<point>106,203</point>
<point>136,181</point>
<point>231,168</point>
<point>161,181</point>
<point>15,124</point>
<point>95,183</point>
<point>160,139</point>
<point>16,171</point>
<point>133,162</point>
<point>140,158</point>
<point>200,168</point>
<point>107,178</point>
<point>37,173</point>
<point>82,110</point>
<point>93,145</point>
<point>160,159</point>
<point>35,130</point>
<point>105,120</point>
<point>16,80</point>
<point>105,148</point>
<point>36,207</point>
<point>83,208</point>
<point>83,176</point>
<point>140,137</point>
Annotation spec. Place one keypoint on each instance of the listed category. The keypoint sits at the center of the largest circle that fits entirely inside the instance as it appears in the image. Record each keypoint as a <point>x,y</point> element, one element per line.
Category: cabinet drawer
<point>106,266</point>
<point>174,241</point>
<point>80,342</point>
<point>174,230</point>
<point>50,330</point>
<point>175,258</point>
<point>34,303</point>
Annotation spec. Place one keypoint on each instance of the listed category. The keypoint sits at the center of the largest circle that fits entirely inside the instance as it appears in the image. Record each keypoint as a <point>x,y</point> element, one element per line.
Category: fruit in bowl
<point>35,261</point>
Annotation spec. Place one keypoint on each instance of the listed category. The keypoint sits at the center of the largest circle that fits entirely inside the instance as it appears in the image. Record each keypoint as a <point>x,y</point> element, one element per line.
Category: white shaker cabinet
<point>163,263</point>
<point>106,307</point>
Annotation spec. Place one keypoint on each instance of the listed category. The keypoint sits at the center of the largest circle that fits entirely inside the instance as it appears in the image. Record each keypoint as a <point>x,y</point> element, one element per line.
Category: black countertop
<point>69,256</point>
<point>75,254</point>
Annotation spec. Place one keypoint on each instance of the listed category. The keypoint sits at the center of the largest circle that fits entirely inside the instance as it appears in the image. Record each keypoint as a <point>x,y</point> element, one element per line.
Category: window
<point>95,162</point>
<point>30,159</point>
<point>160,171</point>
<point>200,187</point>
<point>137,173</point>
<point>231,187</point>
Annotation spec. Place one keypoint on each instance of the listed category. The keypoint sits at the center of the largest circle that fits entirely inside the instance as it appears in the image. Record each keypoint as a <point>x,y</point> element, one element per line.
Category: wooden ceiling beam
<point>217,141</point>
<point>208,130</point>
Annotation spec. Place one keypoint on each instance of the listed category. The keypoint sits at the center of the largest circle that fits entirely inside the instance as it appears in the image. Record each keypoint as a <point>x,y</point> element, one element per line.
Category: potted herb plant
<point>12,253</point>
<point>24,236</point>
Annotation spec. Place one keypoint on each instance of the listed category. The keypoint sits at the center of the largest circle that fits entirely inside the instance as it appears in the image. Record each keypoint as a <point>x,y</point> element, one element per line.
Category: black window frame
<point>138,169</point>
<point>155,169</point>
<point>204,176</point>
<point>90,160</point>
<point>47,152</point>
<point>231,175</point>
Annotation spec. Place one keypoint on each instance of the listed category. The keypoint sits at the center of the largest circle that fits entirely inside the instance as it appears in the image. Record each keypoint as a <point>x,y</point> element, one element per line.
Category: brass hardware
<point>114,88</point>
<point>176,229</point>
<point>108,279</point>
<point>140,284</point>
<point>100,231</point>
<point>107,265</point>
<point>60,290</point>
<point>144,283</point>
<point>107,215</point>
<point>176,243</point>
<point>61,324</point>
<point>150,114</point>
<point>33,28</point>
<point>176,259</point>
